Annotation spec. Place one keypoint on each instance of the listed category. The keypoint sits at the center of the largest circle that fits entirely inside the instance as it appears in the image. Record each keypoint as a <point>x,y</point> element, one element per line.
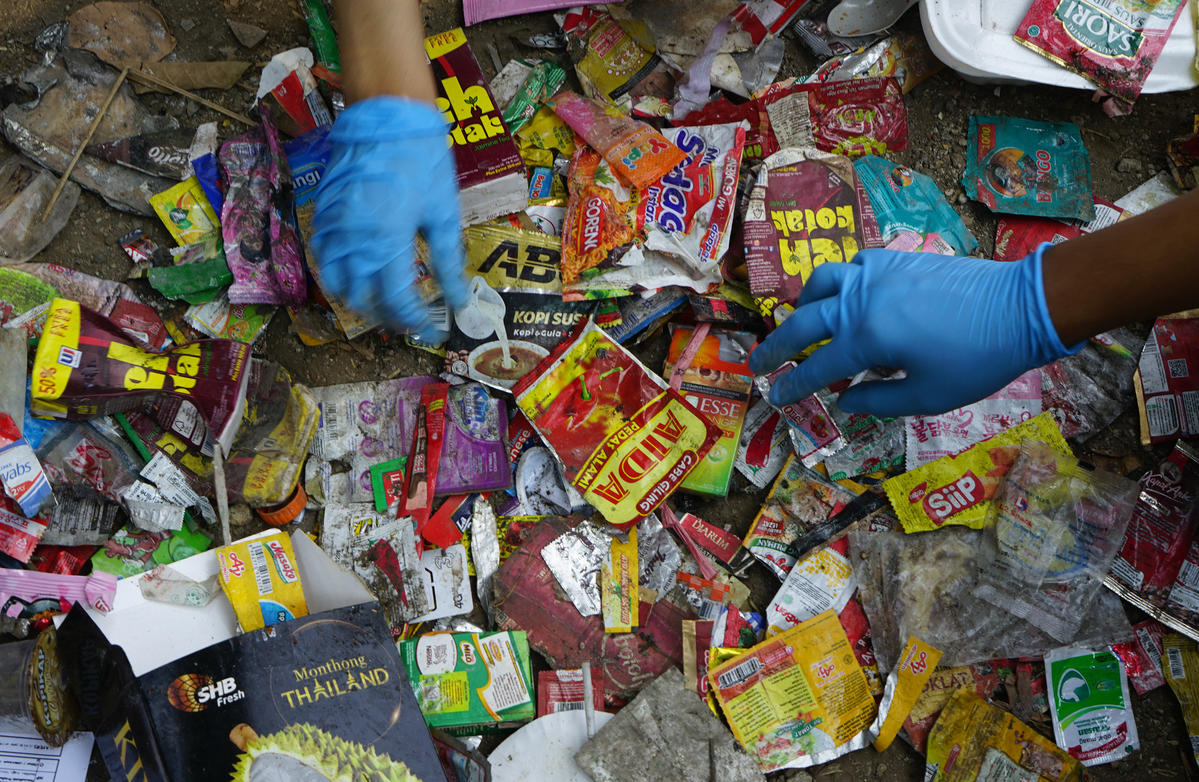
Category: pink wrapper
<point>260,247</point>
<point>31,592</point>
<point>476,11</point>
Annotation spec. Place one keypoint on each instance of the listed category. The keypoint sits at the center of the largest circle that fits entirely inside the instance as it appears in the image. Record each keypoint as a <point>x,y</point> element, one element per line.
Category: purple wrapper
<point>260,245</point>
<point>474,457</point>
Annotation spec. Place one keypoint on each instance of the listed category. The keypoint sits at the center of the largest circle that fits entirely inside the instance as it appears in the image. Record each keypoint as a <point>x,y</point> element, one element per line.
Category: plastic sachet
<point>688,213</point>
<point>1029,167</point>
<point>923,585</point>
<point>25,189</point>
<point>1113,43</point>
<point>906,200</point>
<point>1055,528</point>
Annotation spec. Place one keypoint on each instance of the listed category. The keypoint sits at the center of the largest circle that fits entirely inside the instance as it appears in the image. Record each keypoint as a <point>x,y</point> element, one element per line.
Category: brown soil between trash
<point>938,116</point>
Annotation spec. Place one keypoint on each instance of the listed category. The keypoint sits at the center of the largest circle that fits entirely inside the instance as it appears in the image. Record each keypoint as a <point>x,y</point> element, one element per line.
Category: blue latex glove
<point>391,174</point>
<point>961,328</point>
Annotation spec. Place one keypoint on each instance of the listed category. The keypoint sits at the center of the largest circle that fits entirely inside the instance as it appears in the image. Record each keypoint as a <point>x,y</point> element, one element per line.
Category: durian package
<point>318,697</point>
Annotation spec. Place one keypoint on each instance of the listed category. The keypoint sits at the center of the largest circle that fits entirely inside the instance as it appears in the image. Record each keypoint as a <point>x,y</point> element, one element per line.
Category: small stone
<point>962,142</point>
<point>248,35</point>
<point>187,25</point>
<point>962,199</point>
<point>1129,165</point>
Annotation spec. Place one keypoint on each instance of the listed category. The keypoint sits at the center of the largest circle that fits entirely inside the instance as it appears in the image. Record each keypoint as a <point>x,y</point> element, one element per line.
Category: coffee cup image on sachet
<point>501,361</point>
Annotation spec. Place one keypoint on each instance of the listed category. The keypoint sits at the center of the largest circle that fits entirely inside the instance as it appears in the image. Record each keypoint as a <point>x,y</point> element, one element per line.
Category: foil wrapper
<point>575,559</point>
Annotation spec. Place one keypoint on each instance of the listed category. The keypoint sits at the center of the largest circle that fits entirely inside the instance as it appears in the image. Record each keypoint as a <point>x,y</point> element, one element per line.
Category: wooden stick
<point>158,81</point>
<point>66,174</point>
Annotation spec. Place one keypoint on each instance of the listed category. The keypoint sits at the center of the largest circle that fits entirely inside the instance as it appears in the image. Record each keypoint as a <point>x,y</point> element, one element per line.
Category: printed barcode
<point>1188,575</point>
<point>1151,650</point>
<point>572,706</point>
<point>1178,367</point>
<point>329,420</point>
<point>262,573</point>
<point>739,673</point>
<point>708,610</point>
<point>1174,659</point>
<point>440,317</point>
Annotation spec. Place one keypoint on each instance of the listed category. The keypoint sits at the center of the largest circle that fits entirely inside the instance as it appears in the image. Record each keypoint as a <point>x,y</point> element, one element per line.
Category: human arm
<point>391,173</point>
<point>962,328</point>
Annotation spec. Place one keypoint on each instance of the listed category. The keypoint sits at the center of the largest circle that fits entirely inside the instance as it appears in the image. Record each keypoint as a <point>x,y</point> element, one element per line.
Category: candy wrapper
<point>855,117</point>
<point>906,200</point>
<point>1157,564</point>
<point>638,154</point>
<point>261,580</point>
<point>265,269</point>
<point>931,437</point>
<point>1113,43</point>
<point>958,489</point>
<point>29,593</point>
<point>1142,658</point>
<point>713,375</point>
<point>809,704</point>
<point>85,367</point>
<point>806,208</point>
<point>1055,527</point>
<point>1169,381</point>
<point>800,500</point>
<point>688,213</point>
<point>1181,662</point>
<point>620,595</point>
<point>1025,167</point>
<point>975,740</point>
<point>1092,712</point>
<point>473,455</point>
<point>19,536</point>
<point>515,314</point>
<point>20,471</point>
<point>765,444</point>
<point>185,211</point>
<point>626,440</point>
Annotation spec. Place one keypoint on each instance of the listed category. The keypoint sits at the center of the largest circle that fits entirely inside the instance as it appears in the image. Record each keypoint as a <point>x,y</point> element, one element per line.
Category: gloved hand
<point>961,328</point>
<point>391,173</point>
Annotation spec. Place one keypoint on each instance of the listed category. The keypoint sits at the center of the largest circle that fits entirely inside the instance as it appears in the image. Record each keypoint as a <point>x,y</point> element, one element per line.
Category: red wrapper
<point>853,117</point>
<point>563,691</point>
<point>625,439</point>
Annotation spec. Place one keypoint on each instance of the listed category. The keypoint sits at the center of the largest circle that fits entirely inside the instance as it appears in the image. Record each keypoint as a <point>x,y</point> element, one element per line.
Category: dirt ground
<point>1124,152</point>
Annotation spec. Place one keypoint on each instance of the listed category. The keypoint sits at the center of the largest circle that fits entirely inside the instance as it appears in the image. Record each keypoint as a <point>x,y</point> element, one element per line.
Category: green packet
<point>387,482</point>
<point>545,79</point>
<point>467,683</point>
<point>131,551</point>
<point>1090,705</point>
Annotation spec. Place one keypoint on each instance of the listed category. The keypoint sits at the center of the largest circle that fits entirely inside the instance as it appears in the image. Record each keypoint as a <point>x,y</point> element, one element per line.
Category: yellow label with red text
<point>904,686</point>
